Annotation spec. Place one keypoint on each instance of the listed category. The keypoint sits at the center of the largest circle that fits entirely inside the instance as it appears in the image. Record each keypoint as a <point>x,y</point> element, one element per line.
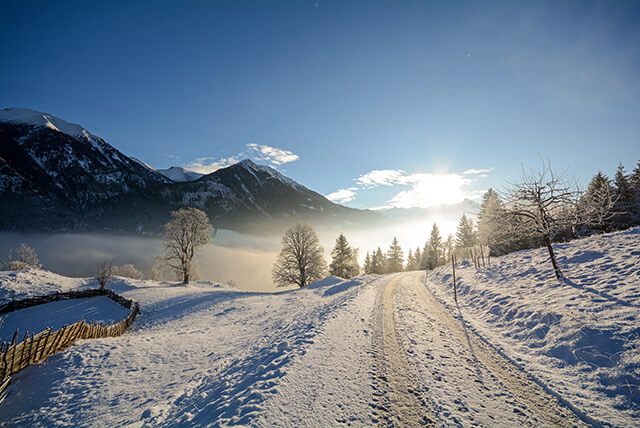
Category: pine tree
<point>426,256</point>
<point>465,235</point>
<point>417,255</point>
<point>448,246</point>
<point>394,257</point>
<point>343,264</point>
<point>598,198</point>
<point>409,264</point>
<point>367,264</point>
<point>378,262</point>
<point>623,193</point>
<point>491,220</point>
<point>435,248</point>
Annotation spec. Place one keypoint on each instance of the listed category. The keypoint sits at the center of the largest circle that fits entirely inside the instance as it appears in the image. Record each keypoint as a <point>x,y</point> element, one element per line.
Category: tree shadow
<point>602,294</point>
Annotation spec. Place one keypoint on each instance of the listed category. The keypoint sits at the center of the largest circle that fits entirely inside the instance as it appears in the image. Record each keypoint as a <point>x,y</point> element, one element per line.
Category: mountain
<point>55,175</point>
<point>179,174</point>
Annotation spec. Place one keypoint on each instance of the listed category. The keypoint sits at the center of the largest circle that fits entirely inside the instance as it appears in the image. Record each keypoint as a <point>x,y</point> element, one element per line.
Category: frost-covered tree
<point>367,264</point>
<point>436,248</point>
<point>624,199</point>
<point>411,261</point>
<point>599,198</point>
<point>344,263</point>
<point>448,248</point>
<point>378,262</point>
<point>418,256</point>
<point>104,272</point>
<point>395,261</point>
<point>301,260</point>
<point>127,271</point>
<point>544,204</point>
<point>23,257</point>
<point>490,224</point>
<point>465,235</point>
<point>187,231</point>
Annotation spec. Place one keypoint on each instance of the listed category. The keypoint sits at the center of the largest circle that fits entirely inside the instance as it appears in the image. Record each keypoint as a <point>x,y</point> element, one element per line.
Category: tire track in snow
<point>546,407</point>
<point>398,400</point>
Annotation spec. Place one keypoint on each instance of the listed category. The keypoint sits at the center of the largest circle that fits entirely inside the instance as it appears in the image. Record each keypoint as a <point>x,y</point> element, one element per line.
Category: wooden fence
<point>35,348</point>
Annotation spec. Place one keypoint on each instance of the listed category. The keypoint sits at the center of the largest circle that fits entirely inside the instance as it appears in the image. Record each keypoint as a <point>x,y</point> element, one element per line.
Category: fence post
<point>453,266</point>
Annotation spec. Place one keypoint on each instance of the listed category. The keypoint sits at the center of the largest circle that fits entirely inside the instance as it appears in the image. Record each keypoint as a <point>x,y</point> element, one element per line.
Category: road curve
<point>402,401</point>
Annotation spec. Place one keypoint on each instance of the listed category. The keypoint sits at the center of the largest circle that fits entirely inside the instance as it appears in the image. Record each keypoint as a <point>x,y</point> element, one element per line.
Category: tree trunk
<point>185,278</point>
<point>556,269</point>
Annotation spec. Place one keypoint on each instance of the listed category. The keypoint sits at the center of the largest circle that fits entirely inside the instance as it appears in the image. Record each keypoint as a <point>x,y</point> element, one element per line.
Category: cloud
<point>425,189</point>
<point>272,155</point>
<point>343,195</point>
<point>381,177</point>
<point>477,171</point>
<point>258,152</point>
<point>207,165</point>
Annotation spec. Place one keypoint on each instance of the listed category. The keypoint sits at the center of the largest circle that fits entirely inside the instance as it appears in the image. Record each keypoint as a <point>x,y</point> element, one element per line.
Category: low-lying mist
<point>243,260</point>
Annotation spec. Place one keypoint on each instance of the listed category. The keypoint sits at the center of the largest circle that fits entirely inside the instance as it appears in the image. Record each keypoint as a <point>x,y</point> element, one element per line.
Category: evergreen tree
<point>448,246</point>
<point>465,235</point>
<point>343,262</point>
<point>417,255</point>
<point>378,262</point>
<point>491,223</point>
<point>411,261</point>
<point>598,198</point>
<point>624,199</point>
<point>367,264</point>
<point>426,256</point>
<point>436,248</point>
<point>394,257</point>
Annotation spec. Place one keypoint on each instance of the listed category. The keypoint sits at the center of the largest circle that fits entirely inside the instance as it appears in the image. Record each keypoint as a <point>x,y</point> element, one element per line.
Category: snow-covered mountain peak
<point>36,118</point>
<point>251,165</point>
<point>179,174</point>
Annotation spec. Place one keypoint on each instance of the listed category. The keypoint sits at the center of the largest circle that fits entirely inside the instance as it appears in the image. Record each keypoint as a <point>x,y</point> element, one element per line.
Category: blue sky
<point>427,95</point>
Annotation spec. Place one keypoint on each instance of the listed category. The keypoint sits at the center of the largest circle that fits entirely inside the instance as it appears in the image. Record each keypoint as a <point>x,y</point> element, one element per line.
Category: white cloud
<point>343,195</point>
<point>258,152</point>
<point>477,171</point>
<point>272,155</point>
<point>207,165</point>
<point>381,177</point>
<point>425,189</point>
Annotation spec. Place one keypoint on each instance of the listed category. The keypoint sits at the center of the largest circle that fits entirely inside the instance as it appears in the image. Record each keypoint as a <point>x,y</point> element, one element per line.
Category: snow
<point>580,338</point>
<point>57,314</point>
<point>207,353</point>
<point>32,117</point>
<point>179,174</point>
<point>142,163</point>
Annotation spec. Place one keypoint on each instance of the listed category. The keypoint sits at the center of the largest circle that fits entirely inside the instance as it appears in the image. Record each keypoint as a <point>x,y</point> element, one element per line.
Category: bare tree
<point>543,205</point>
<point>104,273</point>
<point>188,229</point>
<point>301,260</point>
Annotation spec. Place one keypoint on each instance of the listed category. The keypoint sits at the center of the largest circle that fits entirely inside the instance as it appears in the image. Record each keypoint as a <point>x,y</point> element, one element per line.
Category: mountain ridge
<point>56,175</point>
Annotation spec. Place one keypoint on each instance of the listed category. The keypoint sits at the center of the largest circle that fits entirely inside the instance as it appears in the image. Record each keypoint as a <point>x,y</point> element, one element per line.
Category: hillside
<point>344,352</point>
<point>580,338</point>
<point>57,176</point>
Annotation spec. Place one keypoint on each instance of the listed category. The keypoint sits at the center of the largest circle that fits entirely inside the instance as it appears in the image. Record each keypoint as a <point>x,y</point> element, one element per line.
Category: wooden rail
<point>35,348</point>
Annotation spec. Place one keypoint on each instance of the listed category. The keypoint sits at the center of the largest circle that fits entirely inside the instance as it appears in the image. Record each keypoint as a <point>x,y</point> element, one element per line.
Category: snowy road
<point>432,368</point>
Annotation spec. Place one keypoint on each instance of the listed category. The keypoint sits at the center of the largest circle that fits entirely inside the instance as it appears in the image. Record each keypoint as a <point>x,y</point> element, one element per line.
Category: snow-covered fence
<point>477,254</point>
<point>35,348</point>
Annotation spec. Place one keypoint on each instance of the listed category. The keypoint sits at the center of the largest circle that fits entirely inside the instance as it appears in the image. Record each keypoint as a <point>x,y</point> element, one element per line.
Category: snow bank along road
<point>373,350</point>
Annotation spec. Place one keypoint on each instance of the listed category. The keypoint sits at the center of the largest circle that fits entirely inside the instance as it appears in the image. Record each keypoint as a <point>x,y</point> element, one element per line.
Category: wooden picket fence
<point>35,348</point>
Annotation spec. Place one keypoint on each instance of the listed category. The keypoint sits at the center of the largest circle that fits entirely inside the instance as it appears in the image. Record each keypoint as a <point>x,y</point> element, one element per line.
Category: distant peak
<point>47,120</point>
<point>247,162</point>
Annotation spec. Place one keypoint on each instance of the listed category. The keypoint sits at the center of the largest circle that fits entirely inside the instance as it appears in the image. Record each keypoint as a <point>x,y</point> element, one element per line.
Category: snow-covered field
<point>580,338</point>
<point>329,354</point>
<point>206,352</point>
